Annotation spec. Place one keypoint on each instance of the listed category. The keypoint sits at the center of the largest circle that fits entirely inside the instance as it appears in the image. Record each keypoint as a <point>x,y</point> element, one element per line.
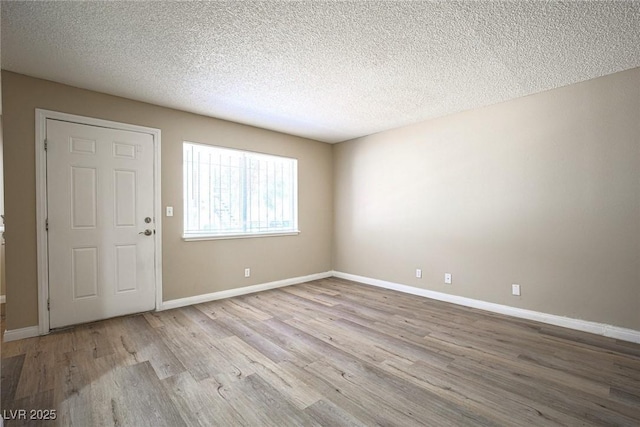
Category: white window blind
<point>233,193</point>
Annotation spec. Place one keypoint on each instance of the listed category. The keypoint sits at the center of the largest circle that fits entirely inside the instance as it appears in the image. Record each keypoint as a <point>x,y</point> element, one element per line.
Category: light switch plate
<point>169,210</point>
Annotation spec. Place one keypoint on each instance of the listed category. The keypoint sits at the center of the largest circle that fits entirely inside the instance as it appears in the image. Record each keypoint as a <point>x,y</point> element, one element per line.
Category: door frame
<point>42,240</point>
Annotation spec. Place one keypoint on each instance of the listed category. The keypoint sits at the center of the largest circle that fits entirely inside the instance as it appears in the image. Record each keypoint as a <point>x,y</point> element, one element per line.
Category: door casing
<point>41,203</point>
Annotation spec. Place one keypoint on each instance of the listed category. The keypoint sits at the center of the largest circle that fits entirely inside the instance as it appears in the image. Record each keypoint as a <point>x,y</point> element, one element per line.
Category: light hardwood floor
<point>329,352</point>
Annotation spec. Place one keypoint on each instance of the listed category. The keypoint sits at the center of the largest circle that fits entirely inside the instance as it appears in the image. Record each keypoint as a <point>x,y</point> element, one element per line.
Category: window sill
<point>238,236</point>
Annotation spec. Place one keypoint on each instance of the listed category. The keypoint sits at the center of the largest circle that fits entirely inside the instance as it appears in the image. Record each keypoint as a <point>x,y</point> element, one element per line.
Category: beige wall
<point>190,268</point>
<point>543,191</point>
<point>2,278</point>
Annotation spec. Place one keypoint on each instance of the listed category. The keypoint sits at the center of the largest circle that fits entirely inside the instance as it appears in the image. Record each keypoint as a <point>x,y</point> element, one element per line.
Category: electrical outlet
<point>418,273</point>
<point>169,210</point>
<point>247,272</point>
<point>515,290</point>
<point>447,278</point>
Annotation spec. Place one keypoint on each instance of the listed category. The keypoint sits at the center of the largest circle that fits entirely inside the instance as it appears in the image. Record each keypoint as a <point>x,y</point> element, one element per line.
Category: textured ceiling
<point>330,71</point>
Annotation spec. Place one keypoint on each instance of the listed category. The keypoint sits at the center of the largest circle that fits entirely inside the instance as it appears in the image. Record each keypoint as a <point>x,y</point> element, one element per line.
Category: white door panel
<point>100,190</point>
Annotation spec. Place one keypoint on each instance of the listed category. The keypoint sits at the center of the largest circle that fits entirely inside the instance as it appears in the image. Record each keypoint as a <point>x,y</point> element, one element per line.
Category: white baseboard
<point>33,331</point>
<point>22,333</point>
<point>552,319</point>
<point>3,299</point>
<point>611,331</point>
<point>198,299</point>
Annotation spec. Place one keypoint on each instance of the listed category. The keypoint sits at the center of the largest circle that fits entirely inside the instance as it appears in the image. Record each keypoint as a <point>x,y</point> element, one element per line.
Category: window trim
<point>197,238</point>
<point>194,237</point>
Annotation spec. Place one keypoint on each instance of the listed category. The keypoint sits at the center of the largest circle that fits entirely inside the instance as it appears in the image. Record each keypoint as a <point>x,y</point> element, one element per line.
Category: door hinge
<point>48,304</point>
<point>46,224</point>
<point>46,144</point>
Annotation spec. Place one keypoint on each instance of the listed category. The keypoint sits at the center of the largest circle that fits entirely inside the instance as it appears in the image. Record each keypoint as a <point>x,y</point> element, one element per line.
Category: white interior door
<point>100,198</point>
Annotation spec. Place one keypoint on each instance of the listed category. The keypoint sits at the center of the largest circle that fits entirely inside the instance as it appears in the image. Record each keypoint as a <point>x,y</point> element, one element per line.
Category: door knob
<point>146,232</point>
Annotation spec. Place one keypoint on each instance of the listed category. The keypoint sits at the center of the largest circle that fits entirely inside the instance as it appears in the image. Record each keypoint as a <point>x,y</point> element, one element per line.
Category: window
<point>232,193</point>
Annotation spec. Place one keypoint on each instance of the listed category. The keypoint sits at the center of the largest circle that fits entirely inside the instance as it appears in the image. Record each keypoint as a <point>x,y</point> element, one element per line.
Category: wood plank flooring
<point>328,352</point>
